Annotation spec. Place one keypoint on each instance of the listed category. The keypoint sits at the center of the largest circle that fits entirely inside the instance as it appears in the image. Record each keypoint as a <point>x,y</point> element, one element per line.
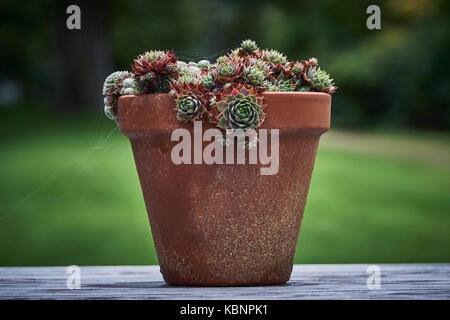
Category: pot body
<point>225,224</point>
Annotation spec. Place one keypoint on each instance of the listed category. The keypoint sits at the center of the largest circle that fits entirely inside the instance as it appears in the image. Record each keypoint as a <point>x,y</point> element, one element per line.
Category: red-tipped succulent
<point>191,101</point>
<point>227,92</point>
<point>228,70</point>
<point>159,62</point>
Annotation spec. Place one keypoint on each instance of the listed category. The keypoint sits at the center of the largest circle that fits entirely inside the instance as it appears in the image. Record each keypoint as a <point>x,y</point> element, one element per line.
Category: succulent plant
<point>204,64</point>
<point>159,62</point>
<point>274,57</point>
<point>110,100</point>
<point>195,70</point>
<point>241,109</point>
<point>189,107</point>
<point>227,91</point>
<point>188,78</point>
<point>313,62</point>
<point>110,114</point>
<point>183,68</point>
<point>222,59</point>
<point>228,71</point>
<point>143,63</point>
<point>181,65</point>
<point>297,69</point>
<point>253,76</point>
<point>303,89</point>
<point>155,69</point>
<point>131,86</point>
<point>112,88</point>
<point>260,64</point>
<point>113,82</point>
<point>162,84</point>
<point>235,53</point>
<point>208,81</point>
<point>191,100</point>
<point>286,85</point>
<point>281,83</point>
<point>148,77</point>
<point>319,79</point>
<point>248,46</point>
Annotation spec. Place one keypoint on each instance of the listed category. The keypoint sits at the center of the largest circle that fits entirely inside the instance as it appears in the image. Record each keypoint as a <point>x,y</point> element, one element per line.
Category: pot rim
<point>309,111</point>
<point>281,93</point>
<point>269,94</point>
<point>264,93</point>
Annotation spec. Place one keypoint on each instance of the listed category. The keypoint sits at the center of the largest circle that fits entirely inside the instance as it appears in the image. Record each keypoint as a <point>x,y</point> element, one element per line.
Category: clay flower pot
<point>225,224</point>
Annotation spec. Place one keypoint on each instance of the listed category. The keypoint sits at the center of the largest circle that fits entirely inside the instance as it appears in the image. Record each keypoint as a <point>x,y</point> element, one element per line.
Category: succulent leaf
<point>274,57</point>
<point>159,62</point>
<point>229,70</point>
<point>204,64</point>
<point>208,81</point>
<point>281,83</point>
<point>303,89</point>
<point>131,86</point>
<point>248,46</point>
<point>162,84</point>
<point>113,82</point>
<point>241,109</point>
<point>189,107</point>
<point>110,114</point>
<point>319,79</point>
<point>253,76</point>
<point>297,69</point>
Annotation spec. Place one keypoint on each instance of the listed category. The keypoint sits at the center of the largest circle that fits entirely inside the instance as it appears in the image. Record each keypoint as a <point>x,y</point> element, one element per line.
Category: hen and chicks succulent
<point>227,93</point>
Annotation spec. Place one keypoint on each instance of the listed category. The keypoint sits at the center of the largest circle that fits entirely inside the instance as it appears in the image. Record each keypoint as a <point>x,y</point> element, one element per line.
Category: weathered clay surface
<point>225,224</point>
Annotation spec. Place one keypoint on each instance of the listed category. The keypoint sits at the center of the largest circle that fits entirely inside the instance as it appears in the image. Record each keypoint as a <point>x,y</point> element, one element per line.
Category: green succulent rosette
<point>113,83</point>
<point>274,57</point>
<point>162,85</point>
<point>253,76</point>
<point>240,111</point>
<point>189,107</point>
<point>319,79</point>
<point>208,81</point>
<point>248,46</point>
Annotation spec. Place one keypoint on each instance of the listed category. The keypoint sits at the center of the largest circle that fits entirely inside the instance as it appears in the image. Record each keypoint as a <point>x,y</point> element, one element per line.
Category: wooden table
<point>344,281</point>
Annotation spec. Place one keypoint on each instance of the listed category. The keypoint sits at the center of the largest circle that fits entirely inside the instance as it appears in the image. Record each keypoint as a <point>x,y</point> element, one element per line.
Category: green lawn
<point>70,196</point>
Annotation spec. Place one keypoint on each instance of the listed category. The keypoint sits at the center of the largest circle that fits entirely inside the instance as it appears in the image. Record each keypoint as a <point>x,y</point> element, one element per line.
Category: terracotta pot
<point>225,224</point>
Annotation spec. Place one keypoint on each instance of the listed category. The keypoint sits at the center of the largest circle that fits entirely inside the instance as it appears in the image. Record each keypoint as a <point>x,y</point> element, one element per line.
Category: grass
<point>70,194</point>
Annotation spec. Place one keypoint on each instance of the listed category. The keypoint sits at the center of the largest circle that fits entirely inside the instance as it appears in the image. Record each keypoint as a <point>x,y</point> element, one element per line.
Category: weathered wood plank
<point>346,281</point>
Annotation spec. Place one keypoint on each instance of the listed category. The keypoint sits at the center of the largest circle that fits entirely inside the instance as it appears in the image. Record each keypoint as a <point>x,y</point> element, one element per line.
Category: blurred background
<point>69,191</point>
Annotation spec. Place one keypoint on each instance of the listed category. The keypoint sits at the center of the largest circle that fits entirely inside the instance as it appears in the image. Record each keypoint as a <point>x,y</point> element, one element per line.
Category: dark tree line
<point>394,76</point>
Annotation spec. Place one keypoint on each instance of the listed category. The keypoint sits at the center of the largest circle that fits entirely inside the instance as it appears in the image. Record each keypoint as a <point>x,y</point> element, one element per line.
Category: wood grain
<point>345,281</point>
